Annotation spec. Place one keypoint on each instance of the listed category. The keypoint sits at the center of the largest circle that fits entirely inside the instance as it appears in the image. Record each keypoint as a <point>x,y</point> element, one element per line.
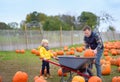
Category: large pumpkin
<point>78,79</point>
<point>116,79</point>
<point>89,53</point>
<point>106,69</point>
<point>60,73</point>
<point>20,77</point>
<point>95,79</point>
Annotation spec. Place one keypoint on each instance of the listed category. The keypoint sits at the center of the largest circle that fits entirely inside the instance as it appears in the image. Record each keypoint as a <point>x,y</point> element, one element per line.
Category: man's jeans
<point>97,62</point>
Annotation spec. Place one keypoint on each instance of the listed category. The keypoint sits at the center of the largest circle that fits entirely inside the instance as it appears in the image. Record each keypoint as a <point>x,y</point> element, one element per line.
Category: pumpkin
<point>118,61</point>
<point>118,52</point>
<point>22,51</point>
<point>118,69</point>
<point>37,53</point>
<point>17,51</point>
<point>114,52</point>
<point>116,79</point>
<point>68,53</point>
<point>113,61</point>
<point>61,52</point>
<point>89,53</point>
<point>40,80</point>
<point>60,73</point>
<point>72,48</point>
<point>106,69</point>
<point>54,53</point>
<point>105,53</point>
<point>108,58</point>
<point>79,49</point>
<point>36,77</point>
<point>106,50</point>
<point>65,48</point>
<point>0,79</point>
<point>95,79</point>
<point>78,79</point>
<point>102,61</point>
<point>72,52</point>
<point>33,51</point>
<point>20,77</point>
<point>45,72</point>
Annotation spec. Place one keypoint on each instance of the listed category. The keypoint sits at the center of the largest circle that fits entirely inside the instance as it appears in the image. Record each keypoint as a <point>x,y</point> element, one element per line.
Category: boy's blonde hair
<point>44,41</point>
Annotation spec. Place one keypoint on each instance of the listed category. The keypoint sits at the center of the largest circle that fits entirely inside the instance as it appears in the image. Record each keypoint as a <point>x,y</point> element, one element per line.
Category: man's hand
<point>95,51</point>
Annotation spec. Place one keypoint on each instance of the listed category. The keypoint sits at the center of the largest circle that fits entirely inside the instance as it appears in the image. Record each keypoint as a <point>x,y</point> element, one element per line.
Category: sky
<point>16,10</point>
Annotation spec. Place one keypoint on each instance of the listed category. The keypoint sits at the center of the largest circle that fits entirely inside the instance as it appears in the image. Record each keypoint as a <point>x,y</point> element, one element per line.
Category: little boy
<point>45,54</point>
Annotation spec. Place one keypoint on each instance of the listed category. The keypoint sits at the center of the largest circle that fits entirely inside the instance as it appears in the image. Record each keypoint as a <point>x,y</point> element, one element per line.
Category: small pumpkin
<point>95,79</point>
<point>0,79</point>
<point>60,73</point>
<point>17,51</point>
<point>108,58</point>
<point>37,53</point>
<point>22,51</point>
<point>61,52</point>
<point>78,79</point>
<point>105,53</point>
<point>33,51</point>
<point>65,48</point>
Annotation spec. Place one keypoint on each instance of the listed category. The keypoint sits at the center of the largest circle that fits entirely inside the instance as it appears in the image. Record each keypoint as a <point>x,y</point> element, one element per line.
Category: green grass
<point>11,62</point>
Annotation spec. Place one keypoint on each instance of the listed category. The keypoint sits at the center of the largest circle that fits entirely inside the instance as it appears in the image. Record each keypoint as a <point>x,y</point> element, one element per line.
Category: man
<point>93,41</point>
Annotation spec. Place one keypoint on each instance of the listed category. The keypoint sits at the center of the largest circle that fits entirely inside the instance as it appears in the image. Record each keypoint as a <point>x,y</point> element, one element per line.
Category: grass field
<point>11,62</point>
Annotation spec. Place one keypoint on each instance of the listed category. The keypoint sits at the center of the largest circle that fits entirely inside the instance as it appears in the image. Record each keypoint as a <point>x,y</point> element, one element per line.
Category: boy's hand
<point>44,59</point>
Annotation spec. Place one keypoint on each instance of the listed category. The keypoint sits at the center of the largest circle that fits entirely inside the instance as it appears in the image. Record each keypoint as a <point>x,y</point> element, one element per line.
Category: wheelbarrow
<point>71,65</point>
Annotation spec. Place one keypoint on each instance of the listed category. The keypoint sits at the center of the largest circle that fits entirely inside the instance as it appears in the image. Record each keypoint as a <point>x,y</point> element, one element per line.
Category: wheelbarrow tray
<point>74,62</point>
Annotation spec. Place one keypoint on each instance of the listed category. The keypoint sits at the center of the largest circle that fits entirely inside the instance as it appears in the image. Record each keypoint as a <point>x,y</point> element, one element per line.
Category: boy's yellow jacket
<point>44,53</point>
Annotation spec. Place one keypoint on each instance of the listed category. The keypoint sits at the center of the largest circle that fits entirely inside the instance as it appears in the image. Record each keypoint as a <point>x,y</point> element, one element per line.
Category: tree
<point>13,25</point>
<point>111,28</point>
<point>4,26</point>
<point>88,18</point>
<point>68,19</point>
<point>34,16</point>
<point>54,23</point>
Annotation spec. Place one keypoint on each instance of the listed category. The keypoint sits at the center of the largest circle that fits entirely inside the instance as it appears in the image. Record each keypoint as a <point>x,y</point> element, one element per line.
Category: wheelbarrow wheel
<point>89,73</point>
<point>68,79</point>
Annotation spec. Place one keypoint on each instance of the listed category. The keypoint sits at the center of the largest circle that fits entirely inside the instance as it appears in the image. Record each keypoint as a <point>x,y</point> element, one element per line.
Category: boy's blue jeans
<point>45,65</point>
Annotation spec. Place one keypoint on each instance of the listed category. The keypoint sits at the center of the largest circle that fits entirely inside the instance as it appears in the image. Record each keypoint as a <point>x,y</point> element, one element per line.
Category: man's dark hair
<point>86,27</point>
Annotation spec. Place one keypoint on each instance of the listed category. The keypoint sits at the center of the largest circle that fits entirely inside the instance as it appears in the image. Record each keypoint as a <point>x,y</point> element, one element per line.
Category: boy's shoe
<point>49,76</point>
